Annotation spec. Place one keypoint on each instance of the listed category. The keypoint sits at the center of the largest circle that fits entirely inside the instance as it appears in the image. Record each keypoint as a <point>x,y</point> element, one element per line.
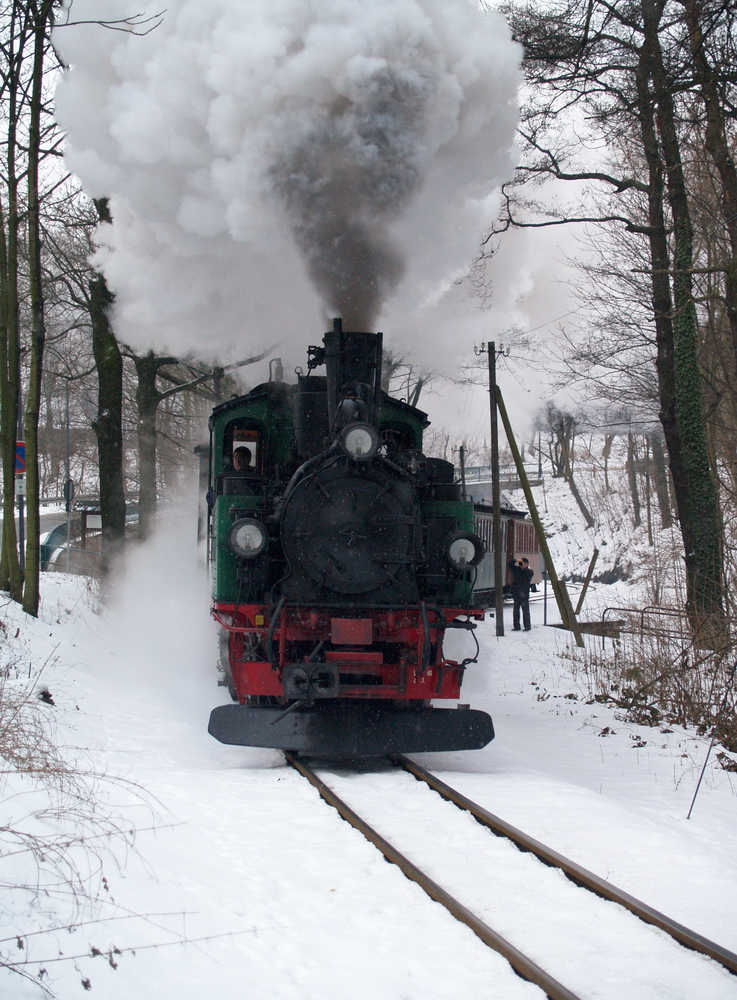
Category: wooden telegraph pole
<point>496,498</point>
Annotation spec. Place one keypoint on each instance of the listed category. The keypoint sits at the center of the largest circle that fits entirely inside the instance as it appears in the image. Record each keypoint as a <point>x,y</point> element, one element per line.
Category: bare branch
<point>217,371</point>
<point>129,25</point>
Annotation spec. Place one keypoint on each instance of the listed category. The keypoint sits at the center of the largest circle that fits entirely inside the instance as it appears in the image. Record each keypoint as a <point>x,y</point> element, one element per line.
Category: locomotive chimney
<point>353,362</point>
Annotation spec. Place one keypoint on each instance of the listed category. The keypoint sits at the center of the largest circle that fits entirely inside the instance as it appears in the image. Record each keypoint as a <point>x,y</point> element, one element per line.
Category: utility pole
<point>496,497</point>
<point>462,457</point>
<point>539,453</point>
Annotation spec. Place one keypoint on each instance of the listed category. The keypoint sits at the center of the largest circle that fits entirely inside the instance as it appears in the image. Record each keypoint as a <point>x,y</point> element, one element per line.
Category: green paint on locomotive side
<point>224,564</point>
<point>394,411</point>
<point>270,409</point>
<point>462,512</point>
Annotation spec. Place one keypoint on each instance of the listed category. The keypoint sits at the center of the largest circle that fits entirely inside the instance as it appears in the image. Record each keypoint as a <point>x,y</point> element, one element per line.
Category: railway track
<point>523,964</point>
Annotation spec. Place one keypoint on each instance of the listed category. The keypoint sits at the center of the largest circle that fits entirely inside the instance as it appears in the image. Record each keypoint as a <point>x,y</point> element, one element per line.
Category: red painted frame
<point>401,628</point>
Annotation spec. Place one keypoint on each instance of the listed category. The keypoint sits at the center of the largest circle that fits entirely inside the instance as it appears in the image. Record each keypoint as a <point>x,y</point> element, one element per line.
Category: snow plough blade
<point>352,730</point>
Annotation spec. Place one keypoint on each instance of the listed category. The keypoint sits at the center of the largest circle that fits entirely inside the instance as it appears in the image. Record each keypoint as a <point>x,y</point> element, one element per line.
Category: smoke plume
<point>269,162</point>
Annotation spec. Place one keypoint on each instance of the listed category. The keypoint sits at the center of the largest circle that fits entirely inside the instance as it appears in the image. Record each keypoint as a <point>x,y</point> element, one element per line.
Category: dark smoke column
<point>345,181</point>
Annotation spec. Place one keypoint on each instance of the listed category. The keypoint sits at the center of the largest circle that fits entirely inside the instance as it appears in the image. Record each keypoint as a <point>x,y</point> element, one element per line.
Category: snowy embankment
<point>644,554</point>
<point>239,882</point>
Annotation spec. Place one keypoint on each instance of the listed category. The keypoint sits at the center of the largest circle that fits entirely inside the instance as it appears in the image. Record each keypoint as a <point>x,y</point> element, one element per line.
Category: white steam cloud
<point>276,162</point>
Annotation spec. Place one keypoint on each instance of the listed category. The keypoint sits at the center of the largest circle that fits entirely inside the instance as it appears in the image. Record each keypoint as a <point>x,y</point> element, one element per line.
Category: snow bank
<point>278,897</point>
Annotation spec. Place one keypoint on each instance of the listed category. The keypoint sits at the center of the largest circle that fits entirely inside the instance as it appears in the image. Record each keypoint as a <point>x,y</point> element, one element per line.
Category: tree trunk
<point>632,479</point>
<point>660,481</point>
<point>608,441</point>
<point>147,398</point>
<point>11,578</point>
<point>579,500</point>
<point>648,493</point>
<point>564,428</point>
<point>31,592</point>
<point>699,511</point>
<point>108,425</point>
<point>718,148</point>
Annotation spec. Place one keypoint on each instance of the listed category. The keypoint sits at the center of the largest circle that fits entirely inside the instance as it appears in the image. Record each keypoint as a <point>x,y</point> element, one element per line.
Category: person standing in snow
<point>521,580</point>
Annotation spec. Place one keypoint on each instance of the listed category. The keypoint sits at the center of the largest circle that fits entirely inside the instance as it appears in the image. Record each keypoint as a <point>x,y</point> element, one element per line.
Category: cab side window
<point>243,447</point>
<point>238,468</point>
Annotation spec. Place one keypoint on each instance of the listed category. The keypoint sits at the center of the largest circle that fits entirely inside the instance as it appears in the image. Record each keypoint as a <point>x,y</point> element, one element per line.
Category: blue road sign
<point>20,458</point>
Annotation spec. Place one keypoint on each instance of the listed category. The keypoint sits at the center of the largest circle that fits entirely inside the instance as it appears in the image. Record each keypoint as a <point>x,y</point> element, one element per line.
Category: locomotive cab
<point>340,556</point>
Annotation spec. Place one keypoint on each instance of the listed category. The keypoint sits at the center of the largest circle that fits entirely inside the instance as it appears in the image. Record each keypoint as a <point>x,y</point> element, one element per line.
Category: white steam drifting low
<point>275,162</point>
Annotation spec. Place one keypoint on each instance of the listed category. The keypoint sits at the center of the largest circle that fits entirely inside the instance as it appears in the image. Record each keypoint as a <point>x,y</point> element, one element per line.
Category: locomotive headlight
<point>464,550</point>
<point>360,442</point>
<point>248,538</point>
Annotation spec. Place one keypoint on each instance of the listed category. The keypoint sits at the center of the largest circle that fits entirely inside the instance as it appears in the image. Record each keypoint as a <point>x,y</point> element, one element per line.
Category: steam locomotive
<point>340,556</point>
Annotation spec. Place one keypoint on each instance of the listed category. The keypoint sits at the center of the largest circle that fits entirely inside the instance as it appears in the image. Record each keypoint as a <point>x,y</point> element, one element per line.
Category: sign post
<point>496,500</point>
<point>20,492</point>
<point>68,497</point>
<point>500,568</point>
<point>546,577</point>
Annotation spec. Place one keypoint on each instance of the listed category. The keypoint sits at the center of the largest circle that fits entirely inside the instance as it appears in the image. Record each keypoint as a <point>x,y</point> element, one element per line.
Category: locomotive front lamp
<point>360,442</point>
<point>465,550</point>
<point>248,538</point>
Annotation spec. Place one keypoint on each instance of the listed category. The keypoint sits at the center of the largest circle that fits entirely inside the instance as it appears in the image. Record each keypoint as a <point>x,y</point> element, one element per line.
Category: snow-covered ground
<point>240,882</point>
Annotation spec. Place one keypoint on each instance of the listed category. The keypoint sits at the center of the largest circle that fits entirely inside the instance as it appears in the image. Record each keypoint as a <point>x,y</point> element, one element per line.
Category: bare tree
<point>41,130</point>
<point>561,428</point>
<point>108,424</point>
<point>621,74</point>
<point>403,378</point>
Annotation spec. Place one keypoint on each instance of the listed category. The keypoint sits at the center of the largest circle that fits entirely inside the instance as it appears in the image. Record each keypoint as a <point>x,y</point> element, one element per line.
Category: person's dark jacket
<point>521,578</point>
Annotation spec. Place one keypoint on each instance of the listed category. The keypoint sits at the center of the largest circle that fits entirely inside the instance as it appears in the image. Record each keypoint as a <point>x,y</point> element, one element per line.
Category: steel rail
<point>521,964</point>
<point>581,876</point>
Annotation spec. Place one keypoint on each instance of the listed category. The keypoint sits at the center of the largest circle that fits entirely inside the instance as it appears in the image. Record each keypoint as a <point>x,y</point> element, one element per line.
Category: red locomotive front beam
<point>405,628</point>
<point>309,625</point>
